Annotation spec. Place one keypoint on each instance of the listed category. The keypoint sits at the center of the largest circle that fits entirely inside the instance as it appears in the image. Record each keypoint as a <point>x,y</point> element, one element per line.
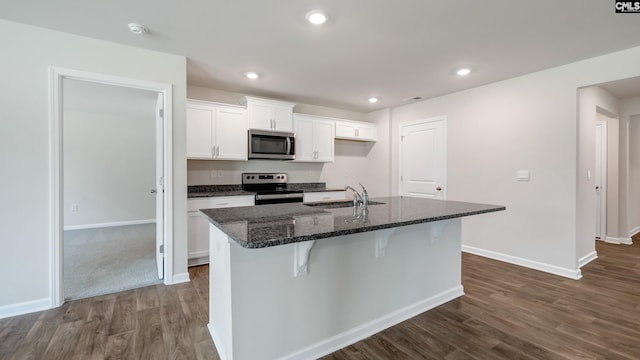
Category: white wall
<point>524,123</point>
<point>108,153</point>
<point>353,159</point>
<point>24,146</point>
<point>629,158</point>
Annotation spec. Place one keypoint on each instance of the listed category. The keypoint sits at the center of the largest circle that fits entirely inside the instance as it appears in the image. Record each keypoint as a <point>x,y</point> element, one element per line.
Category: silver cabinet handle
<point>439,188</point>
<point>217,150</point>
<point>213,151</point>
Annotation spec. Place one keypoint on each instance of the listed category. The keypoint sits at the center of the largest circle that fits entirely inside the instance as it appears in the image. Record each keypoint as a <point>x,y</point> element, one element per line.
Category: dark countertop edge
<point>303,238</point>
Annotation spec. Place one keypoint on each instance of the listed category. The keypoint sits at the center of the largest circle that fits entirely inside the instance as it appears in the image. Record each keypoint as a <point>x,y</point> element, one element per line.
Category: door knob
<point>597,187</point>
<point>153,191</point>
<point>439,188</point>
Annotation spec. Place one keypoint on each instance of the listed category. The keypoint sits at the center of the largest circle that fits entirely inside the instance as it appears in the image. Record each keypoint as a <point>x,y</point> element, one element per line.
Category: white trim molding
<point>111,224</point>
<point>574,274</point>
<point>179,278</point>
<point>620,240</point>
<point>56,76</point>
<point>634,231</point>
<point>24,307</point>
<point>587,259</point>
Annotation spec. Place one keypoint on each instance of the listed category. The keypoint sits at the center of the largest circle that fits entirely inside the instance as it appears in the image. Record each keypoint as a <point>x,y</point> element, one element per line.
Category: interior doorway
<point>600,179</point>
<point>109,147</point>
<point>111,154</point>
<point>423,158</point>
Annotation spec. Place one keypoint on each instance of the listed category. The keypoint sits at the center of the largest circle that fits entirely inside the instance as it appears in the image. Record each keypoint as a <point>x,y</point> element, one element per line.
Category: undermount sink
<point>338,204</point>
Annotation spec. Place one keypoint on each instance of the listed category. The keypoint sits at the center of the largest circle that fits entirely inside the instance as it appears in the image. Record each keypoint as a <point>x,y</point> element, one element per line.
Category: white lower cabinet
<point>198,223</point>
<point>324,196</point>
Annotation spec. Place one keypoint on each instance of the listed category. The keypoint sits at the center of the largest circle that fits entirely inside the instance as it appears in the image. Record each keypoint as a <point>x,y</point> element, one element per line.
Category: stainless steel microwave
<point>265,144</point>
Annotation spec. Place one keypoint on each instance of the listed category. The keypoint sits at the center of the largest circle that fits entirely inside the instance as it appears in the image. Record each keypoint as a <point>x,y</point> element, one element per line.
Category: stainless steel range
<point>270,188</point>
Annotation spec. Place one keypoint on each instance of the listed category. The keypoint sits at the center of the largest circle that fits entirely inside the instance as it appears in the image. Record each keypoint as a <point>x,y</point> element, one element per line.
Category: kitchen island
<point>294,281</point>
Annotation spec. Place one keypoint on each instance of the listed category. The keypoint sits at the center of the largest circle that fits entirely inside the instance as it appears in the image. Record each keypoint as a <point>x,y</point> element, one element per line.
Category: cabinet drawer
<point>324,196</point>
<point>220,202</point>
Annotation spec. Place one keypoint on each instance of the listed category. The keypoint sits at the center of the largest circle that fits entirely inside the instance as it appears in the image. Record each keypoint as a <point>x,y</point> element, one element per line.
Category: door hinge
<point>161,181</point>
<point>401,177</point>
<point>402,138</point>
<point>161,113</point>
<point>162,249</point>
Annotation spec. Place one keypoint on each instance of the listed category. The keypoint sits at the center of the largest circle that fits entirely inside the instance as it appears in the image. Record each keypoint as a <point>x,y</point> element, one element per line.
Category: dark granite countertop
<point>280,224</point>
<point>199,191</point>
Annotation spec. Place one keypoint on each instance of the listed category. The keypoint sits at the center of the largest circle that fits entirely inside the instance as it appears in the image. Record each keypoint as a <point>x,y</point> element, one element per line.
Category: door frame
<point>604,145</point>
<point>56,76</point>
<point>442,118</point>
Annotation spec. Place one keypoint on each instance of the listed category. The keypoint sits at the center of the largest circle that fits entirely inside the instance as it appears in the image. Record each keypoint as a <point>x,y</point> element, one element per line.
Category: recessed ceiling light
<point>373,100</point>
<point>463,72</point>
<point>138,29</point>
<point>316,17</point>
<point>251,75</point>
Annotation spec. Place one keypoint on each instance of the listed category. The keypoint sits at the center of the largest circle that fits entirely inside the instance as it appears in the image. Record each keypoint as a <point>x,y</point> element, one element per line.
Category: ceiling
<point>393,50</point>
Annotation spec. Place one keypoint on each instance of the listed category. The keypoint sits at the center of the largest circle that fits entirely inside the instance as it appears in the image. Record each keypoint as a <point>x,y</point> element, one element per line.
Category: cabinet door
<point>200,131</point>
<point>324,196</point>
<point>260,116</point>
<point>305,151</point>
<point>323,140</point>
<point>198,238</point>
<point>282,116</point>
<point>231,134</point>
<point>365,132</point>
<point>345,130</point>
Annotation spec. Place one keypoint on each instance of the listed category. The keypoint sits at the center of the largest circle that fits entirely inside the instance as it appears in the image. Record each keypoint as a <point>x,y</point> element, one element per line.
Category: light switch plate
<point>523,175</point>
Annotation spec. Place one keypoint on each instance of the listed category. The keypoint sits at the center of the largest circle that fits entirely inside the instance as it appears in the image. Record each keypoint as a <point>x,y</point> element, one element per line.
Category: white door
<point>423,159</point>
<point>159,190</point>
<point>600,179</point>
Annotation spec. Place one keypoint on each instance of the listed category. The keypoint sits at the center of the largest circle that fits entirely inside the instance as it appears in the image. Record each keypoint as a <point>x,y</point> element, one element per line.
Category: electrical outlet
<point>74,207</point>
<point>214,173</point>
<point>220,173</point>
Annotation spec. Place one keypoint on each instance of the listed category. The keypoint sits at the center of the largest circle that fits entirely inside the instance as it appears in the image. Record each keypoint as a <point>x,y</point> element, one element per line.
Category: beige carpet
<point>107,260</point>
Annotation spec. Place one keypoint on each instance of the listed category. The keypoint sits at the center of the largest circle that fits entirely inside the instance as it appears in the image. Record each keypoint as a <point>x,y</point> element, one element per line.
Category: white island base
<point>356,286</point>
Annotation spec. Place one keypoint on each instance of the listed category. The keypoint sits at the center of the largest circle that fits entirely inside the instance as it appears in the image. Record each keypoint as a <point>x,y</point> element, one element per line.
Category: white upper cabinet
<point>314,138</point>
<point>269,114</point>
<point>216,131</point>
<point>356,130</point>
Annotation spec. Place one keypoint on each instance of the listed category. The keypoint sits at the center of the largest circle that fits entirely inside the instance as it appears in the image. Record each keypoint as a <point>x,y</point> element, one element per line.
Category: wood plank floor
<point>508,312</point>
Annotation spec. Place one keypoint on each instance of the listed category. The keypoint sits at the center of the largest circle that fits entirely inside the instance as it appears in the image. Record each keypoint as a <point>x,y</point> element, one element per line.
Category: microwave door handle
<point>288,145</point>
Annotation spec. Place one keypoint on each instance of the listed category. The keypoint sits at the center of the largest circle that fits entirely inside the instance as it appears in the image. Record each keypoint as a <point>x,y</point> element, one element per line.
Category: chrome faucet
<point>357,198</point>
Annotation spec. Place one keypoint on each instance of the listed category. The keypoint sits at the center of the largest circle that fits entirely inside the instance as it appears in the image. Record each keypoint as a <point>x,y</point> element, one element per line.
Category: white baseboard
<point>363,331</point>
<point>615,240</point>
<point>587,259</point>
<point>24,307</point>
<point>218,343</point>
<point>634,231</point>
<point>179,278</point>
<point>574,274</point>
<point>198,260</point>
<point>111,224</point>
